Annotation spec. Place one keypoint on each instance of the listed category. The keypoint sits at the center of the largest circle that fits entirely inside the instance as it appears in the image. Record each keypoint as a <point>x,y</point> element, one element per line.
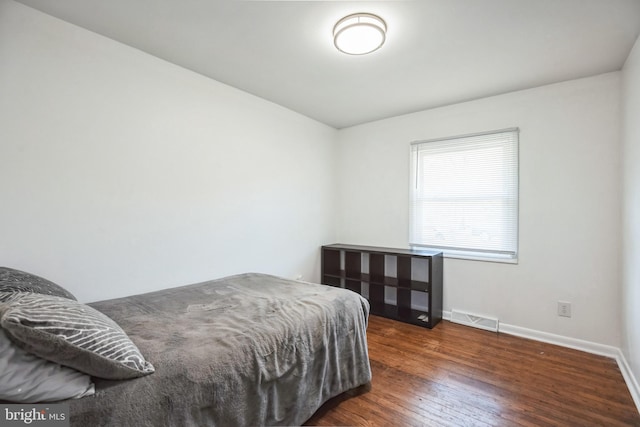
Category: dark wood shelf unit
<point>402,284</point>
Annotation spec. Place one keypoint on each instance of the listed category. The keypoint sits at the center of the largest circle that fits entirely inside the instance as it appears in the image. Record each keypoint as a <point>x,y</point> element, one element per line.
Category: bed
<point>250,349</point>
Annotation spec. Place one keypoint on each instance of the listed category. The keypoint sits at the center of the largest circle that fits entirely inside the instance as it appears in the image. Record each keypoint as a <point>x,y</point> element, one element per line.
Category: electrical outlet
<point>564,309</point>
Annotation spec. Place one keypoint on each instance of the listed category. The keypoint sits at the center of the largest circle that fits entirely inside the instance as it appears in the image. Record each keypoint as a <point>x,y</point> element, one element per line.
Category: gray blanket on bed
<point>245,350</point>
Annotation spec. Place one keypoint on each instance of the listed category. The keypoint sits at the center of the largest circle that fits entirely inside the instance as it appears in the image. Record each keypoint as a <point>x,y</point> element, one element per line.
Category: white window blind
<point>464,195</point>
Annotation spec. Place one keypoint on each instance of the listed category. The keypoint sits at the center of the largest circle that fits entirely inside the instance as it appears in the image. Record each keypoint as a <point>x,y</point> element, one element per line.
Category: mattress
<point>245,350</point>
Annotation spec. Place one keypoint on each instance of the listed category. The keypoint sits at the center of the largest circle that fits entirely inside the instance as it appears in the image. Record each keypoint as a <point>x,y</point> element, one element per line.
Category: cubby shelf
<point>402,284</point>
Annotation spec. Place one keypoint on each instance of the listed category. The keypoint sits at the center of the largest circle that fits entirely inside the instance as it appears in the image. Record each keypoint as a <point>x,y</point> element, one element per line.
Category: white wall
<point>569,203</point>
<point>121,173</point>
<point>631,212</point>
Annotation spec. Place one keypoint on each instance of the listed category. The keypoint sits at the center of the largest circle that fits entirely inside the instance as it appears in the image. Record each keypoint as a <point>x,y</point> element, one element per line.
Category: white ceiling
<point>438,52</point>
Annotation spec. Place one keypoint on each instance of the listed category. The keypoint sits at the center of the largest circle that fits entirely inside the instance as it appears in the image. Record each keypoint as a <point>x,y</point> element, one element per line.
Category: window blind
<point>464,194</point>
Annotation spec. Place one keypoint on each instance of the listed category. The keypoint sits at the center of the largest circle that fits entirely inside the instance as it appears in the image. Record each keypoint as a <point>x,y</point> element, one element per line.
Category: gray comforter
<point>245,350</point>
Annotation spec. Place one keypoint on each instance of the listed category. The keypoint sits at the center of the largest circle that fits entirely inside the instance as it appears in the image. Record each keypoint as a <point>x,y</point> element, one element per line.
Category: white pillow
<point>25,378</point>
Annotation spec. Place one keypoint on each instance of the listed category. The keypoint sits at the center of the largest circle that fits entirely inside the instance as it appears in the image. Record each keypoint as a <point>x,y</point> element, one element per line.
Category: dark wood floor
<point>455,375</point>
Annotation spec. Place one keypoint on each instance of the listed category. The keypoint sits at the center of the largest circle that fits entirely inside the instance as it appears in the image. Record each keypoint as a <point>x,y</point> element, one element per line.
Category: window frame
<point>469,253</point>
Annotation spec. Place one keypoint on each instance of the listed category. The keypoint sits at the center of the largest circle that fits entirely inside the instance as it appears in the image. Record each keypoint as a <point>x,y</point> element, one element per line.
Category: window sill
<point>472,256</point>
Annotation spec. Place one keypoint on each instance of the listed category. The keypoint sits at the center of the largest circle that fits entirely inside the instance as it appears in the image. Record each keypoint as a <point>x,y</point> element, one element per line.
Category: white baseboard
<point>631,381</point>
<point>577,344</point>
<point>574,343</point>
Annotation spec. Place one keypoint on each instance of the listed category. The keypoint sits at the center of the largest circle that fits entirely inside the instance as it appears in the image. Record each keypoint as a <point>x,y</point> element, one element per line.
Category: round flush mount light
<point>359,34</point>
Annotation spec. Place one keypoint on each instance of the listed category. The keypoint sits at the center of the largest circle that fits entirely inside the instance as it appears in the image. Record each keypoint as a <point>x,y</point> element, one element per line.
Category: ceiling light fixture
<point>359,34</point>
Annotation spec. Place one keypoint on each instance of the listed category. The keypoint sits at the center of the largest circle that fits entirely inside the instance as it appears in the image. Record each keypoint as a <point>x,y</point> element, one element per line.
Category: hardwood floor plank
<point>455,375</point>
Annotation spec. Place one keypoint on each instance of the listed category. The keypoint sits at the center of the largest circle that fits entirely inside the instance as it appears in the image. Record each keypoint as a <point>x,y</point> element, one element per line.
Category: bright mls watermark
<point>40,415</point>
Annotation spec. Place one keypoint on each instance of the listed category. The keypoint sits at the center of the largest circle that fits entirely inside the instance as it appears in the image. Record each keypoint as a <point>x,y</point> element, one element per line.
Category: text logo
<point>41,415</point>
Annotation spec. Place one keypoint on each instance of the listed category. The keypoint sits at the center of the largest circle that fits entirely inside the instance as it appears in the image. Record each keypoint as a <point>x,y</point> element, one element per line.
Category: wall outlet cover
<point>564,309</point>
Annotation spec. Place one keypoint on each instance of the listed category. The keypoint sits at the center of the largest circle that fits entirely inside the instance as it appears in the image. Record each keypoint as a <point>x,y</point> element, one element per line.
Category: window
<point>464,195</point>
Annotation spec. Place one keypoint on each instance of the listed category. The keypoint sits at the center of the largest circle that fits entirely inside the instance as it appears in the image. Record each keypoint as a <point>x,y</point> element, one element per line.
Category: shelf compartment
<point>391,295</point>
<point>353,285</point>
<point>390,311</point>
<point>420,268</point>
<point>376,268</point>
<point>376,298</point>
<point>331,260</point>
<point>404,271</point>
<point>352,264</point>
<point>404,302</point>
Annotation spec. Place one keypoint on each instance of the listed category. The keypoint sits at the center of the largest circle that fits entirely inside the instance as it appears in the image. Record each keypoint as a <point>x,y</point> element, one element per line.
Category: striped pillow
<point>19,281</point>
<point>72,334</point>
